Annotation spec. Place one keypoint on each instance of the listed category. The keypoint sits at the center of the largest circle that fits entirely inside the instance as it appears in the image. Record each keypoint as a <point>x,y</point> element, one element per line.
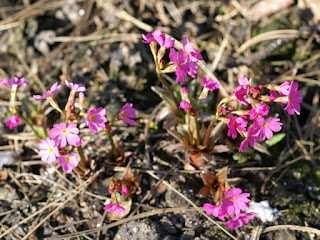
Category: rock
<point>138,230</point>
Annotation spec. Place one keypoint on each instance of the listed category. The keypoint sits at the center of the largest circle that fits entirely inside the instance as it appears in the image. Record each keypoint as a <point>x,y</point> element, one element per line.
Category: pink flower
<point>68,162</point>
<point>273,95</point>
<point>54,88</point>
<point>179,61</point>
<point>184,105</point>
<point>13,122</point>
<point>261,109</point>
<point>63,134</point>
<point>96,118</point>
<point>15,81</point>
<point>48,150</point>
<point>192,54</point>
<point>235,202</point>
<point>127,112</point>
<point>251,139</point>
<point>242,92</point>
<point>267,127</point>
<point>236,123</point>
<point>124,190</point>
<point>213,210</point>
<point>293,99</point>
<point>76,87</point>
<point>238,220</point>
<point>115,207</point>
<point>284,88</point>
<point>210,84</point>
<point>148,38</point>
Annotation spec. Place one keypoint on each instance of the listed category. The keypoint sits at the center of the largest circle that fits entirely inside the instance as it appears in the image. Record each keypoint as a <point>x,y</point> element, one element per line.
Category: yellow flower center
<point>91,117</point>
<point>264,125</point>
<point>124,115</point>
<point>65,131</point>
<point>232,199</point>
<point>50,149</point>
<point>68,159</point>
<point>178,65</point>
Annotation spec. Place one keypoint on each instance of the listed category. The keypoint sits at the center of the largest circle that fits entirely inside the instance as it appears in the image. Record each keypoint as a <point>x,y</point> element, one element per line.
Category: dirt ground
<point>98,43</point>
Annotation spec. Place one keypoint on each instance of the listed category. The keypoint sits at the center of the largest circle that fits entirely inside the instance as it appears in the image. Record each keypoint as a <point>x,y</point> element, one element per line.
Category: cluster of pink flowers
<point>118,192</point>
<point>233,204</point>
<point>65,134</point>
<point>184,61</point>
<point>251,123</point>
<point>16,81</point>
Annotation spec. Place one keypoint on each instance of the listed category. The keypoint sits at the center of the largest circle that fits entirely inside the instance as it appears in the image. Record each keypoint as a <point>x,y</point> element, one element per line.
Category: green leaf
<point>275,139</point>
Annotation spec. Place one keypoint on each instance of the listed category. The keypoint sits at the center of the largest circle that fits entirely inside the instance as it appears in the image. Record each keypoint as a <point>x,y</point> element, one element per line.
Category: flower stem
<point>30,125</point>
<point>83,161</point>
<point>209,130</point>
<point>113,146</point>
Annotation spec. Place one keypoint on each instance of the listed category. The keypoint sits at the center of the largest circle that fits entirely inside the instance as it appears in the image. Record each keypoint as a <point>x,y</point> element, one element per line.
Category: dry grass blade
<point>292,227</point>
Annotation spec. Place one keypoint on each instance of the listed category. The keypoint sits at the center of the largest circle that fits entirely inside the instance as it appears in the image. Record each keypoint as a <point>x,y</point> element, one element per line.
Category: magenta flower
<point>294,99</point>
<point>63,134</point>
<point>68,162</point>
<point>179,60</point>
<point>210,84</point>
<point>115,207</point>
<point>96,118</point>
<point>240,219</point>
<point>267,127</point>
<point>284,88</point>
<point>184,105</point>
<point>127,112</point>
<point>76,87</point>
<point>261,110</point>
<point>192,54</point>
<point>54,88</point>
<point>235,202</point>
<point>242,92</point>
<point>148,38</point>
<point>15,81</point>
<point>236,123</point>
<point>251,139</point>
<point>124,190</point>
<point>13,122</point>
<point>273,95</point>
<point>166,42</point>
<point>215,211</point>
<point>48,150</point>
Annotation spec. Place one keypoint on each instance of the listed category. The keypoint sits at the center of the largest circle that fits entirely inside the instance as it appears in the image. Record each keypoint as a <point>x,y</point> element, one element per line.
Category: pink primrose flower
<point>294,99</point>
<point>124,190</point>
<point>242,92</point>
<point>192,54</point>
<point>166,42</point>
<point>54,88</point>
<point>63,134</point>
<point>115,207</point>
<point>213,210</point>
<point>236,123</point>
<point>96,118</point>
<point>267,127</point>
<point>68,162</point>
<point>179,61</point>
<point>184,105</point>
<point>210,84</point>
<point>76,87</point>
<point>251,139</point>
<point>148,38</point>
<point>15,81</point>
<point>127,112</point>
<point>48,150</point>
<point>284,88</point>
<point>240,219</point>
<point>261,110</point>
<point>235,202</point>
<point>13,122</point>
<point>273,95</point>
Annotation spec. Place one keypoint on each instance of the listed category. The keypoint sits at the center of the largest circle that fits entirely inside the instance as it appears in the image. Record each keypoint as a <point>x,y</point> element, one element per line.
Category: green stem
<point>83,158</point>
<point>113,146</point>
<point>30,125</point>
<point>167,87</point>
